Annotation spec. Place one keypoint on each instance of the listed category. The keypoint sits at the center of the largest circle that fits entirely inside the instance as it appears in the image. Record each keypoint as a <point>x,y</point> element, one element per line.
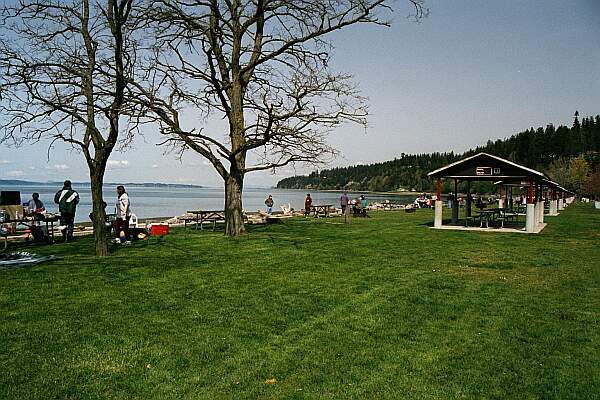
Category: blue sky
<point>471,71</point>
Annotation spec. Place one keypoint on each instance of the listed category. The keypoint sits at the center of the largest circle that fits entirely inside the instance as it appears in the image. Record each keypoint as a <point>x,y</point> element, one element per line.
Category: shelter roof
<point>520,183</point>
<point>487,167</point>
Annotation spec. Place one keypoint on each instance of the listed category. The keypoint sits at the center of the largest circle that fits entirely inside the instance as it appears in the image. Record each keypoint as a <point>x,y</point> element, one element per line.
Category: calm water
<point>168,202</point>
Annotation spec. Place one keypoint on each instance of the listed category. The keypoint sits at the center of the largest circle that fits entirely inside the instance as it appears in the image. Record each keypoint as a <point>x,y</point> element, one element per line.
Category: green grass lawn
<point>383,308</point>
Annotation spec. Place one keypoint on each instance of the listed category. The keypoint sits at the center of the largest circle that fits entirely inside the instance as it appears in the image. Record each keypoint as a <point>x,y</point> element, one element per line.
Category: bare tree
<point>64,66</point>
<point>264,67</point>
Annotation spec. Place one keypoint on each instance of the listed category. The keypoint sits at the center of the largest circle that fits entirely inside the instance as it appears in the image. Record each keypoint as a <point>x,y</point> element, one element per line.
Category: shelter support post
<point>530,212</point>
<point>468,203</point>
<point>537,204</point>
<point>554,203</point>
<point>455,204</point>
<point>439,205</point>
<point>561,205</point>
<point>530,218</point>
<point>541,210</point>
<point>553,207</point>
<point>542,205</point>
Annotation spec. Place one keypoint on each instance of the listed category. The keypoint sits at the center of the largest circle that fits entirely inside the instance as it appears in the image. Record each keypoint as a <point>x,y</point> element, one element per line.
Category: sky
<point>469,72</point>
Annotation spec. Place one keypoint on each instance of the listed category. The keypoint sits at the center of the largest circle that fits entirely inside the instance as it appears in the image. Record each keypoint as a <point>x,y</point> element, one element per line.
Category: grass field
<point>383,308</point>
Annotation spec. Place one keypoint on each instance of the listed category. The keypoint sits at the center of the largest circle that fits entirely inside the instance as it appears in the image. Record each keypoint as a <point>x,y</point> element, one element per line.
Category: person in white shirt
<point>123,214</point>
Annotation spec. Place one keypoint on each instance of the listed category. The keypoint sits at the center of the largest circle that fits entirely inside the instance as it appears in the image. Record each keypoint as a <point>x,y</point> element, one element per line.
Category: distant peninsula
<point>17,182</point>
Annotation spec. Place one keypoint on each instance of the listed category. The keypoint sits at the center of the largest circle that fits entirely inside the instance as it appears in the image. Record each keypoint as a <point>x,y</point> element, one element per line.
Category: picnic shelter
<point>508,174</point>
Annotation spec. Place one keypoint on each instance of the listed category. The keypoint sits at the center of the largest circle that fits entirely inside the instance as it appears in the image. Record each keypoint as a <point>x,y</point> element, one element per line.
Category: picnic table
<point>319,209</point>
<point>48,220</point>
<point>496,214</point>
<point>488,215</point>
<point>201,216</point>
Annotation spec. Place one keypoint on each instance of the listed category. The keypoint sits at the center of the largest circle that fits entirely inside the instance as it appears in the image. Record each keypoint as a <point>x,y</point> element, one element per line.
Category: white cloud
<point>15,174</point>
<point>57,167</point>
<point>4,162</point>
<point>117,164</point>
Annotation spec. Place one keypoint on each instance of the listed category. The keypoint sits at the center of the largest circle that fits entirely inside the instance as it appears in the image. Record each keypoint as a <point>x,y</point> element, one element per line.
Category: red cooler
<point>159,229</point>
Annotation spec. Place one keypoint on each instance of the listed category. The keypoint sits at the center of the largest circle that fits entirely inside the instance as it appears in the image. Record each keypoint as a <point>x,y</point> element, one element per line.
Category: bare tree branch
<point>263,66</point>
<point>64,68</point>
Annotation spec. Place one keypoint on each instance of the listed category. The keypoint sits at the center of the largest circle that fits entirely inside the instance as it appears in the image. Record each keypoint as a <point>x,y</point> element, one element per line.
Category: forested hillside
<point>561,152</point>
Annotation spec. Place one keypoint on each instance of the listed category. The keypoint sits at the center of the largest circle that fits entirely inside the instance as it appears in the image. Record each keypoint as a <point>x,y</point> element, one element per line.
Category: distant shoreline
<point>404,193</point>
<point>17,182</point>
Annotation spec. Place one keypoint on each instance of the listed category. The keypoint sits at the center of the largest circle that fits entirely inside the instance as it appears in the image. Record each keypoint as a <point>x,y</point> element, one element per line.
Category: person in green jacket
<point>67,200</point>
<point>363,205</point>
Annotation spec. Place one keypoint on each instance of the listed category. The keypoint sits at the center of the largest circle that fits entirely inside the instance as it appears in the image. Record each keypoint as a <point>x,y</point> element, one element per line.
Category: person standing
<point>67,200</point>
<point>450,199</point>
<point>269,204</point>
<point>344,202</point>
<point>123,211</point>
<point>307,204</point>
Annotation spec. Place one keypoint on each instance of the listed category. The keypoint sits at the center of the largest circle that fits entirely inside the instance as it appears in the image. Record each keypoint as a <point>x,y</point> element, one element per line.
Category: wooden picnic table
<point>321,209</point>
<point>201,216</point>
<point>48,220</point>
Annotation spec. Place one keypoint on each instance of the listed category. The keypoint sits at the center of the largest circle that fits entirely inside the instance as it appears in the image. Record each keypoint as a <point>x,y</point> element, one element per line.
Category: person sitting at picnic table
<point>107,221</point>
<point>123,211</point>
<point>356,206</point>
<point>422,201</point>
<point>307,204</point>
<point>35,205</point>
<point>479,203</point>
<point>363,205</point>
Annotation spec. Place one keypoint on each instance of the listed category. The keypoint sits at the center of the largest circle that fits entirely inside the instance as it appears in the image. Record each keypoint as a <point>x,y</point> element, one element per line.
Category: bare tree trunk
<point>234,218</point>
<point>99,212</point>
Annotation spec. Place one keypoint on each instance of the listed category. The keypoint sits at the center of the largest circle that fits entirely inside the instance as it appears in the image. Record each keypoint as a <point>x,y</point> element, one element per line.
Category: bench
<point>510,216</point>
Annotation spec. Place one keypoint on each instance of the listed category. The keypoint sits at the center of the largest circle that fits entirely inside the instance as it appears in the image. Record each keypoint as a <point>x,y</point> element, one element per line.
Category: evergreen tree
<point>548,149</point>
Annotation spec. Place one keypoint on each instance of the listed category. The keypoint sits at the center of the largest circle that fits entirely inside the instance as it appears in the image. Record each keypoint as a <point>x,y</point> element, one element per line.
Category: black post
<point>468,203</point>
<point>455,204</point>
